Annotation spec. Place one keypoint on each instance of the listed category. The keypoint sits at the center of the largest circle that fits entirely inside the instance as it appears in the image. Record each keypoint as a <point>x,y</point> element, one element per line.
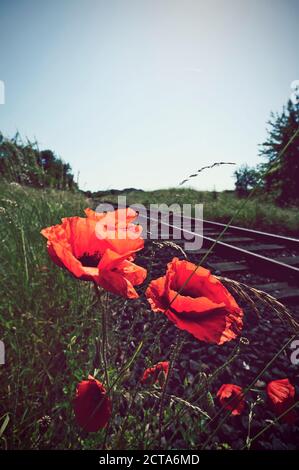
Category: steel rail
<point>257,233</point>
<point>289,241</point>
<point>281,269</point>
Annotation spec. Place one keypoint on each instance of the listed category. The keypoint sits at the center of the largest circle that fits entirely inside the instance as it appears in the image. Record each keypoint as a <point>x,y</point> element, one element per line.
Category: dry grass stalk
<point>169,244</point>
<point>253,295</point>
<point>174,398</point>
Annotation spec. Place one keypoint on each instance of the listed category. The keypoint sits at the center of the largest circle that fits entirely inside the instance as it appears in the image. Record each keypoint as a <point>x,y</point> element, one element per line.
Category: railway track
<point>239,250</point>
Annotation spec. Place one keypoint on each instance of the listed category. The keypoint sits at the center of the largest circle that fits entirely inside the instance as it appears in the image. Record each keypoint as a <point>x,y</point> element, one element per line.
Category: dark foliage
<point>246,179</point>
<point>23,163</point>
<point>281,151</point>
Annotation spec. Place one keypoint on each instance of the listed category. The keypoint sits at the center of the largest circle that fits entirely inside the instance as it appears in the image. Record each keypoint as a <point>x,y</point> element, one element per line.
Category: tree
<point>26,164</point>
<point>246,179</point>
<point>282,153</point>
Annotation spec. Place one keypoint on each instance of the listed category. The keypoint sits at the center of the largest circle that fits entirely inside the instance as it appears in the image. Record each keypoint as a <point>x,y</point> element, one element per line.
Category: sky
<point>142,93</point>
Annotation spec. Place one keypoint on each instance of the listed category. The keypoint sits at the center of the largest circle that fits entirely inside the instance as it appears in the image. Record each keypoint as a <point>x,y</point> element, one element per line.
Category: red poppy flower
<point>204,307</point>
<point>281,394</point>
<point>74,245</point>
<point>157,373</point>
<point>92,406</point>
<point>231,398</point>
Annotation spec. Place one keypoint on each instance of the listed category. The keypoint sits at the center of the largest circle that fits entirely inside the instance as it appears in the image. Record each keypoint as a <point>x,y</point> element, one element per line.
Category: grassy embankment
<point>259,212</point>
<point>45,321</point>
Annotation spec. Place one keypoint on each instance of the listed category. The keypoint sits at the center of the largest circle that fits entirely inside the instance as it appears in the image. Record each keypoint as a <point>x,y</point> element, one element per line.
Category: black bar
<point>133,459</point>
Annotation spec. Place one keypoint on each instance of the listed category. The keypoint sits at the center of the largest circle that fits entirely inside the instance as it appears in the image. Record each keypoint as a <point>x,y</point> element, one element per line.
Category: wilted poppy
<point>231,398</point>
<point>202,306</point>
<point>74,245</point>
<point>281,394</point>
<point>156,373</point>
<point>92,406</point>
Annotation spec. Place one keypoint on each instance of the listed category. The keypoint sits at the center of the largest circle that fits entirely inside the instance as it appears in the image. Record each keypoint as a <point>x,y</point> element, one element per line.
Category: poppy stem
<point>203,387</point>
<point>124,369</point>
<point>104,338</point>
<point>275,421</point>
<point>250,419</point>
<point>245,391</point>
<point>104,331</point>
<point>177,347</point>
<point>125,420</point>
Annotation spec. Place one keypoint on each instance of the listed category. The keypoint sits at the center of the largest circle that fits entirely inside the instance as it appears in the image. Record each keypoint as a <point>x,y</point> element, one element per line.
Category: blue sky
<point>142,93</point>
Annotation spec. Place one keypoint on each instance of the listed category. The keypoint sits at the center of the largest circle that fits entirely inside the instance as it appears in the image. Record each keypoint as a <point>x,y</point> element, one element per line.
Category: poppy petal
<point>197,302</point>
<point>117,284</point>
<point>155,294</point>
<point>92,406</point>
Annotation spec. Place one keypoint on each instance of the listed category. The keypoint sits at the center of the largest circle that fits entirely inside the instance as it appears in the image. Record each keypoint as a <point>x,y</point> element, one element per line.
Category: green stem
<point>122,430</point>
<point>177,347</point>
<point>208,381</point>
<point>246,390</point>
<point>273,422</point>
<point>104,339</point>
<point>119,376</point>
<point>103,344</point>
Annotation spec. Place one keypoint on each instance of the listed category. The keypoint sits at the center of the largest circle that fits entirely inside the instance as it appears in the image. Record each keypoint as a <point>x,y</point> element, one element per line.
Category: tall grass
<point>260,212</point>
<point>46,322</point>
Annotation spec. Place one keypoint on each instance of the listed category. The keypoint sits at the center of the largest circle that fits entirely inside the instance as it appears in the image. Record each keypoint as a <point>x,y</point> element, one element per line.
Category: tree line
<point>23,162</point>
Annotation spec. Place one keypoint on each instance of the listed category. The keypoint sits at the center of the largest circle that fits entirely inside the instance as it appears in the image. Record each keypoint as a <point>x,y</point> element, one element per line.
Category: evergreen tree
<point>282,165</point>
